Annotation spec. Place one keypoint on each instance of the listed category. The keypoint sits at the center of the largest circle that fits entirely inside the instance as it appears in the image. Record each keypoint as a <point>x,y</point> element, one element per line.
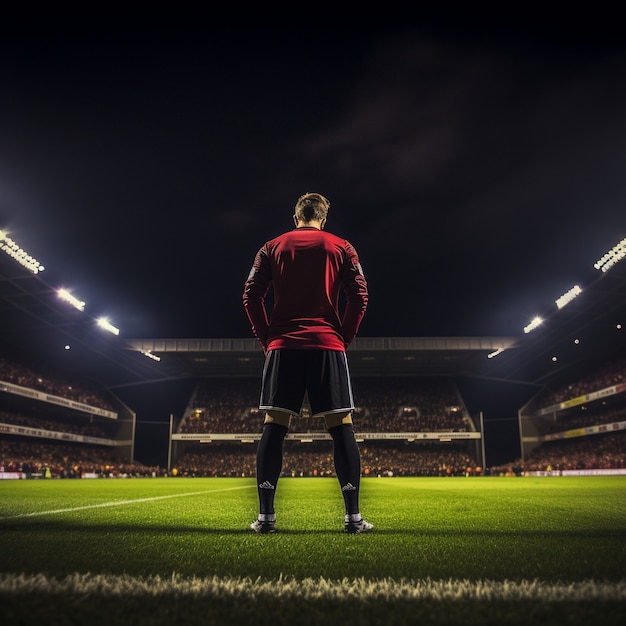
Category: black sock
<point>269,463</point>
<point>347,465</point>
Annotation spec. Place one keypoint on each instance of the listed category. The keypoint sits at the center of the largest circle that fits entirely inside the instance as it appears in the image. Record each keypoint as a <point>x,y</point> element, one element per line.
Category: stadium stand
<point>578,426</point>
<point>395,405</point>
<point>54,428</point>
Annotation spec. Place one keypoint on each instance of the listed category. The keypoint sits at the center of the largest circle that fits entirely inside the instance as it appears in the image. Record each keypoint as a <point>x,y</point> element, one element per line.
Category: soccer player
<point>305,340</point>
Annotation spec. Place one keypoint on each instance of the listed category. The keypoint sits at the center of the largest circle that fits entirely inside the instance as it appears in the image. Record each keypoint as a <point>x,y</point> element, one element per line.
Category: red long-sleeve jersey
<point>307,269</point>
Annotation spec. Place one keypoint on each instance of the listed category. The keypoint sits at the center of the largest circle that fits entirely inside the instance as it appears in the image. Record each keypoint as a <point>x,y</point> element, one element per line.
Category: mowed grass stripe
<point>103,585</point>
<point>123,502</point>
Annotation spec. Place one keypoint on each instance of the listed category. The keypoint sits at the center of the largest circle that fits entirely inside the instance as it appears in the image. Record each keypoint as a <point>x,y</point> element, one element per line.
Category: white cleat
<point>263,527</point>
<point>358,527</point>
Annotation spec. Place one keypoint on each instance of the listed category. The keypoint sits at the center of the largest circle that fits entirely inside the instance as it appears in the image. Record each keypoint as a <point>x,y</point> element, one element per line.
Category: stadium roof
<point>36,325</point>
<point>369,356</point>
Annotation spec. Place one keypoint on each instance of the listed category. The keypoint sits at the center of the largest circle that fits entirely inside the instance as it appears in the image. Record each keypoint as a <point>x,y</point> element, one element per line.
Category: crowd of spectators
<point>605,451</point>
<point>405,404</point>
<point>612,373</point>
<point>39,458</point>
<point>24,376</point>
<point>316,459</point>
<point>223,406</point>
<point>423,459</point>
<point>383,405</point>
<point>583,417</point>
<point>86,427</point>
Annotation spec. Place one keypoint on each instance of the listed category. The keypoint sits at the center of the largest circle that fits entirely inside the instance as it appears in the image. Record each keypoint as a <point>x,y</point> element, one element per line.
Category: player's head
<point>311,207</point>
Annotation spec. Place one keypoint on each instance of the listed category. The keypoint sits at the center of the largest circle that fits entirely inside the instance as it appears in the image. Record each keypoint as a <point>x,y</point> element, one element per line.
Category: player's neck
<point>312,224</point>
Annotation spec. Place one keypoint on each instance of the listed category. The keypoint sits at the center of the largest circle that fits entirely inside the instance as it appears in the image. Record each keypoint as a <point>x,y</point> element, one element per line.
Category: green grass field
<point>444,551</point>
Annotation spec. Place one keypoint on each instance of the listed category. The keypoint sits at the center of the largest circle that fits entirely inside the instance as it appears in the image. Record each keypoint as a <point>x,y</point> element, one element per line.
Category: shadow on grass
<point>49,526</point>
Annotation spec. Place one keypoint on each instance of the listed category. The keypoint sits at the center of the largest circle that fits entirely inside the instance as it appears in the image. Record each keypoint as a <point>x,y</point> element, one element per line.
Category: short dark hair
<point>312,206</point>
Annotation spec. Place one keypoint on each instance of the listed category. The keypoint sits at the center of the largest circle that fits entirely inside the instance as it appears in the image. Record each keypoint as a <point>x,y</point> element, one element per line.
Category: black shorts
<point>322,374</point>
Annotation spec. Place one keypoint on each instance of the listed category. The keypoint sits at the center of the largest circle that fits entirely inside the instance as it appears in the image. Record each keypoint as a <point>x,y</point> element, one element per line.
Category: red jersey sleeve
<point>355,288</point>
<point>255,290</point>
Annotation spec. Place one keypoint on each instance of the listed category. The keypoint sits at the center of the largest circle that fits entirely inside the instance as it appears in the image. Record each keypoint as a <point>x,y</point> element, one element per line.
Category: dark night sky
<point>478,168</point>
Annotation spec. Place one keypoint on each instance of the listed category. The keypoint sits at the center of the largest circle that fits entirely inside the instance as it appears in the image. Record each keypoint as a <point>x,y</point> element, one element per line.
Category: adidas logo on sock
<point>348,487</point>
<point>266,485</point>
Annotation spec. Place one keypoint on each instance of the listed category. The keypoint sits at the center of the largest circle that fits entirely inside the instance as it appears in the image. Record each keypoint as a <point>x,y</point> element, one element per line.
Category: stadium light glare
<point>535,322</point>
<point>64,294</point>
<point>9,246</point>
<point>568,296</point>
<point>495,353</point>
<point>613,256</point>
<point>149,354</point>
<point>106,325</point>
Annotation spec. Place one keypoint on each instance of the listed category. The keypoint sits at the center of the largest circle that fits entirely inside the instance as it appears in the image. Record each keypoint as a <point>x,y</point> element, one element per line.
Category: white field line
<point>313,589</point>
<point>122,502</point>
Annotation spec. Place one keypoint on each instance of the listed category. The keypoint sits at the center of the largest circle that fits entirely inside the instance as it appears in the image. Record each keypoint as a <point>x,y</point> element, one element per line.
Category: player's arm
<point>254,292</point>
<point>355,288</point>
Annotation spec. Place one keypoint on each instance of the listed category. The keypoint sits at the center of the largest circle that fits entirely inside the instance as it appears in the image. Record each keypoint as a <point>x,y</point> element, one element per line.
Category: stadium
<point>560,385</point>
<point>78,402</point>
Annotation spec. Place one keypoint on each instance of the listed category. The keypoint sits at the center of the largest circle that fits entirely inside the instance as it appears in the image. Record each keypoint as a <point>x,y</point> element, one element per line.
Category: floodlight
<point>64,294</point>
<point>568,296</point>
<point>21,256</point>
<point>104,323</point>
<point>537,321</point>
<point>613,256</point>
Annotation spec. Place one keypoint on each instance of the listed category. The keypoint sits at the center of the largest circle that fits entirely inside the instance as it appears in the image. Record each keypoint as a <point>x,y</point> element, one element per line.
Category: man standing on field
<point>305,341</point>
